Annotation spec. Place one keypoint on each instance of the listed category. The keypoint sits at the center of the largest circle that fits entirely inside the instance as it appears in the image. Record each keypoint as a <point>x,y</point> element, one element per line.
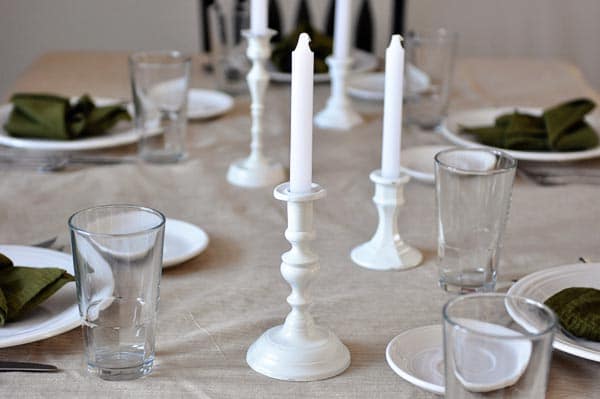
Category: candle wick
<point>303,41</point>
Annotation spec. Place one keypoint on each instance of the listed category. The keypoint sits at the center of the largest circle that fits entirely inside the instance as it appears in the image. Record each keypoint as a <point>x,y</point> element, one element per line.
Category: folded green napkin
<point>23,288</point>
<point>53,117</point>
<point>559,128</point>
<point>578,310</point>
<point>320,44</point>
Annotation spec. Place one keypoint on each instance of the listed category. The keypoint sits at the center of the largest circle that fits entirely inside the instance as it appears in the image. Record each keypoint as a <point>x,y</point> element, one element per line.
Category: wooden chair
<point>284,15</point>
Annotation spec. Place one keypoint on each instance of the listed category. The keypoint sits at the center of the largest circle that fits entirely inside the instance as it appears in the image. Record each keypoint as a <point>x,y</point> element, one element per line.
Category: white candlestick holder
<point>257,170</point>
<point>386,250</point>
<point>299,350</point>
<point>338,113</point>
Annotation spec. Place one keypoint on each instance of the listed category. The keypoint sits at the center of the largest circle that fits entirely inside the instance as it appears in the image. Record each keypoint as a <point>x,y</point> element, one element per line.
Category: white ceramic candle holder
<point>386,250</point>
<point>257,170</point>
<point>299,350</point>
<point>338,113</point>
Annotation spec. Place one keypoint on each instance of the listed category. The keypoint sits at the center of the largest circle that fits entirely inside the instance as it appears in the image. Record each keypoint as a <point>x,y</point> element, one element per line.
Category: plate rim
<point>70,323</point>
<point>428,386</point>
<point>363,94</point>
<point>457,139</point>
<point>177,260</point>
<point>558,343</point>
<point>368,58</point>
<point>217,112</point>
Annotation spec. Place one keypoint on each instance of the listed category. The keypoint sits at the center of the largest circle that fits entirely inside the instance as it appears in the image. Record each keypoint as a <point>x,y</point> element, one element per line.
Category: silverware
<point>46,243</point>
<point>29,367</point>
<point>45,162</point>
<point>559,175</point>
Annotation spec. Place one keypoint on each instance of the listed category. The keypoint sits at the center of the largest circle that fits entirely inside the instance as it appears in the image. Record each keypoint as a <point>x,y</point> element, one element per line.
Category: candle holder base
<point>337,117</point>
<point>299,349</point>
<point>246,173</point>
<point>338,113</point>
<point>313,358</point>
<point>386,250</point>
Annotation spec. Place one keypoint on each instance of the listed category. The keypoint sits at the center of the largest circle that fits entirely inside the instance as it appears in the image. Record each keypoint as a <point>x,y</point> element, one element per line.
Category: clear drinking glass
<point>117,252</point>
<point>473,191</point>
<point>428,73</point>
<point>159,82</point>
<point>228,47</point>
<point>497,346</point>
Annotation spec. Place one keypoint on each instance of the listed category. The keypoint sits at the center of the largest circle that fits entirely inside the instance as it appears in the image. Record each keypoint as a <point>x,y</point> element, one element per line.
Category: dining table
<point>213,307</point>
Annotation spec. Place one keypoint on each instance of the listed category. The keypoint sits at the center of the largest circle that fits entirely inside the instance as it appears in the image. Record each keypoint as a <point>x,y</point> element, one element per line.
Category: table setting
<point>162,235</point>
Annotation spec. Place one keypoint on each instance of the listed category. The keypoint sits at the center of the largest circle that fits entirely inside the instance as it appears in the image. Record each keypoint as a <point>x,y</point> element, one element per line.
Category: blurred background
<point>533,28</point>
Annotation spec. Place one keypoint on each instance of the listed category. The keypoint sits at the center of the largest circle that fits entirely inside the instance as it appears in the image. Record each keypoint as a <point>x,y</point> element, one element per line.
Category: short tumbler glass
<point>473,192</point>
<point>497,346</point>
<point>117,253</point>
<point>430,63</point>
<point>159,83</point>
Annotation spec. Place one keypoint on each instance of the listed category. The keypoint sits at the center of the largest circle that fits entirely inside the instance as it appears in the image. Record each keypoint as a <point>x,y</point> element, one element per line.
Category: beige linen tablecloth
<point>213,307</point>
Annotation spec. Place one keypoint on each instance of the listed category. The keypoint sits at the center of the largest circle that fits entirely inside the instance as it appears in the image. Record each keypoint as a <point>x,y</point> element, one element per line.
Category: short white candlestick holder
<point>299,350</point>
<point>338,113</point>
<point>386,250</point>
<point>257,170</point>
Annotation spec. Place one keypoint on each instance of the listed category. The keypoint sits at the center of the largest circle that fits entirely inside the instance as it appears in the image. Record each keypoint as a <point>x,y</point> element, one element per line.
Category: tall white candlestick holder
<point>338,113</point>
<point>257,170</point>
<point>386,250</point>
<point>299,350</point>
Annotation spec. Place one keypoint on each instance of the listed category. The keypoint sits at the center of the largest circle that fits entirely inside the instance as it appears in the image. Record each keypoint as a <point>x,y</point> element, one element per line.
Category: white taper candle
<point>301,127</point>
<point>258,16</point>
<point>341,29</point>
<point>392,109</point>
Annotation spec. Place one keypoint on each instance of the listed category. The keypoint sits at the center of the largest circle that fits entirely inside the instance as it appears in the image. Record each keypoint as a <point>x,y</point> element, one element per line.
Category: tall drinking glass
<point>429,68</point>
<point>497,346</point>
<point>473,191</point>
<point>159,82</point>
<point>117,252</point>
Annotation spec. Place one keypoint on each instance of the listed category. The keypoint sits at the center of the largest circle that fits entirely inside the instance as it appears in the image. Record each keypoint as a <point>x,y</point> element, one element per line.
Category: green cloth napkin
<point>23,288</point>
<point>53,117</point>
<point>578,310</point>
<point>559,128</point>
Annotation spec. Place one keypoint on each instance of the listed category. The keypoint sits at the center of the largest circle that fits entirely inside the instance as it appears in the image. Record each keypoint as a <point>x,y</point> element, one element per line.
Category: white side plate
<point>183,241</point>
<point>203,104</point>
<point>418,162</point>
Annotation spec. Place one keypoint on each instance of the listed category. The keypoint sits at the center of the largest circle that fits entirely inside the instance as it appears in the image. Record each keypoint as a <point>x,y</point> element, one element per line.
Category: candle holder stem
<point>386,250</point>
<point>299,350</point>
<point>257,170</point>
<point>338,113</point>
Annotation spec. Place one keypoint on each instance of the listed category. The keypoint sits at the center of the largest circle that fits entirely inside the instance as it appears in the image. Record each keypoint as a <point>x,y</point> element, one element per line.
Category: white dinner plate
<point>418,162</point>
<point>123,133</point>
<point>486,116</point>
<point>183,241</point>
<point>203,104</point>
<point>363,62</point>
<point>371,86</point>
<point>59,313</point>
<point>541,285</point>
<point>417,355</point>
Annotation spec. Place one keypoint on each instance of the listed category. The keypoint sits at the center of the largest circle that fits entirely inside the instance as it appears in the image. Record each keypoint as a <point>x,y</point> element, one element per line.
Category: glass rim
<point>552,318</point>
<point>172,57</point>
<point>80,230</point>
<point>440,35</point>
<point>454,169</point>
